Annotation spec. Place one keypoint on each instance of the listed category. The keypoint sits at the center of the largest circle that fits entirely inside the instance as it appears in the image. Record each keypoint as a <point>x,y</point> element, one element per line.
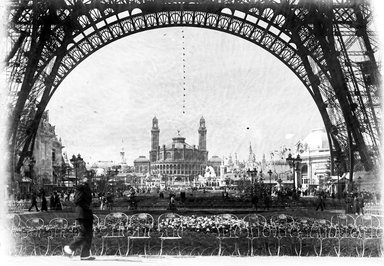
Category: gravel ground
<point>186,261</point>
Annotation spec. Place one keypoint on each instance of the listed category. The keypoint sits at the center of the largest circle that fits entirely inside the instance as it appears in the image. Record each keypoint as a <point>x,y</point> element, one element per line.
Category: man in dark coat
<point>44,206</point>
<point>320,201</point>
<point>84,216</point>
<point>52,201</point>
<point>57,202</point>
<point>255,200</point>
<point>33,203</point>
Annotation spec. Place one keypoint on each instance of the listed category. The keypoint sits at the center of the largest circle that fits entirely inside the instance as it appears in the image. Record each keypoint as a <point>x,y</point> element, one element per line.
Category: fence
<point>278,235</point>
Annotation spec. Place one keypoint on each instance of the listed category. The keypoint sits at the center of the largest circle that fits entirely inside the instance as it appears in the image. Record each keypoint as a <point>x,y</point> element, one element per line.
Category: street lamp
<point>261,177</point>
<point>270,184</point>
<point>338,165</point>
<point>294,163</point>
<point>252,173</point>
<point>77,162</point>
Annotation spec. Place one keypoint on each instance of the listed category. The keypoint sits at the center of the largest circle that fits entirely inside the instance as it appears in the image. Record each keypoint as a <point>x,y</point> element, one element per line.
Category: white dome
<point>317,139</point>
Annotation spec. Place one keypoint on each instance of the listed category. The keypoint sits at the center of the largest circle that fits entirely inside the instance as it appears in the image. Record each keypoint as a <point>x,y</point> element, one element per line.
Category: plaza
<point>282,99</point>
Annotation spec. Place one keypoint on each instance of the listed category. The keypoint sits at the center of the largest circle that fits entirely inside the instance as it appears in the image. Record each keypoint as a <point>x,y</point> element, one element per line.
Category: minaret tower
<point>202,135</point>
<point>155,135</point>
<point>251,157</point>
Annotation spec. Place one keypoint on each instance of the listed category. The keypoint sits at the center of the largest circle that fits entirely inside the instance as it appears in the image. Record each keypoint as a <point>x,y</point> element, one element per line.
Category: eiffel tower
<point>330,45</point>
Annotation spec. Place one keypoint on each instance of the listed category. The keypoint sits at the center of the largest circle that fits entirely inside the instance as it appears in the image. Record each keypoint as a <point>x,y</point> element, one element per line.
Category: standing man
<point>33,202</point>
<point>320,200</point>
<point>360,202</point>
<point>254,199</point>
<point>84,216</point>
<point>44,206</point>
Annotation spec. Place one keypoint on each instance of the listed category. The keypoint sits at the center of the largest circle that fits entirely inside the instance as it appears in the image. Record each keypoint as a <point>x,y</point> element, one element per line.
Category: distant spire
<point>230,162</point>
<point>122,152</point>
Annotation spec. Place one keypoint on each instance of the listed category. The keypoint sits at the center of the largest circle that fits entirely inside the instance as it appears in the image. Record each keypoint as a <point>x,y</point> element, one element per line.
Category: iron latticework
<point>329,45</point>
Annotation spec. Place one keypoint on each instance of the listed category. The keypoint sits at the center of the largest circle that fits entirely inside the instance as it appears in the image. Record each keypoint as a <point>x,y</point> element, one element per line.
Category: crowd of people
<point>105,200</point>
<point>55,200</point>
<point>355,203</point>
<point>262,196</point>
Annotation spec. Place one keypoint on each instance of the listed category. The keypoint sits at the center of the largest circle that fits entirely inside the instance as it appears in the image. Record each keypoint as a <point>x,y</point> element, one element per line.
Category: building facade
<point>178,159</point>
<point>45,167</point>
<point>314,169</point>
<point>47,152</point>
<point>315,153</point>
<point>141,165</point>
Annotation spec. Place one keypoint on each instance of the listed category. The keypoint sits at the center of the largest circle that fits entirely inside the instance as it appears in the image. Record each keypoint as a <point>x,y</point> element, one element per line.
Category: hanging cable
<point>184,70</point>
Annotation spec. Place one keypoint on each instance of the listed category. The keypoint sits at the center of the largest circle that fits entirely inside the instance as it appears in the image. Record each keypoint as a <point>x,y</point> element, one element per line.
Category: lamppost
<point>294,163</point>
<point>261,176</point>
<point>338,165</point>
<point>252,173</point>
<point>270,181</point>
<point>77,162</point>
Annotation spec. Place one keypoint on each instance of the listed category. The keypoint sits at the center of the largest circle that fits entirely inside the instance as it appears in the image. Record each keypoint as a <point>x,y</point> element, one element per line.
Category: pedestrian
<point>33,202</point>
<point>44,205</point>
<point>109,201</point>
<point>255,200</point>
<point>57,201</point>
<point>133,201</point>
<point>348,204</point>
<point>320,200</point>
<point>68,194</point>
<point>360,204</point>
<point>267,201</point>
<point>84,216</point>
<point>52,201</point>
<point>102,201</point>
<point>172,205</point>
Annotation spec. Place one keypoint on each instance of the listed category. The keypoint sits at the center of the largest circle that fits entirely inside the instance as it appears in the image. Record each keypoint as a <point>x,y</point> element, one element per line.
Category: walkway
<point>188,261</point>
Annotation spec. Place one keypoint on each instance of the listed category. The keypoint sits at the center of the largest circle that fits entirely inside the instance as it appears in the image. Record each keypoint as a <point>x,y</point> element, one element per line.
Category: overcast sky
<point>245,94</point>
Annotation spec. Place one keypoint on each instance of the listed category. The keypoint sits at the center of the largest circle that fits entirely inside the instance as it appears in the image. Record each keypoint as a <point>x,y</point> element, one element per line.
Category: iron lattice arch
<point>329,45</point>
